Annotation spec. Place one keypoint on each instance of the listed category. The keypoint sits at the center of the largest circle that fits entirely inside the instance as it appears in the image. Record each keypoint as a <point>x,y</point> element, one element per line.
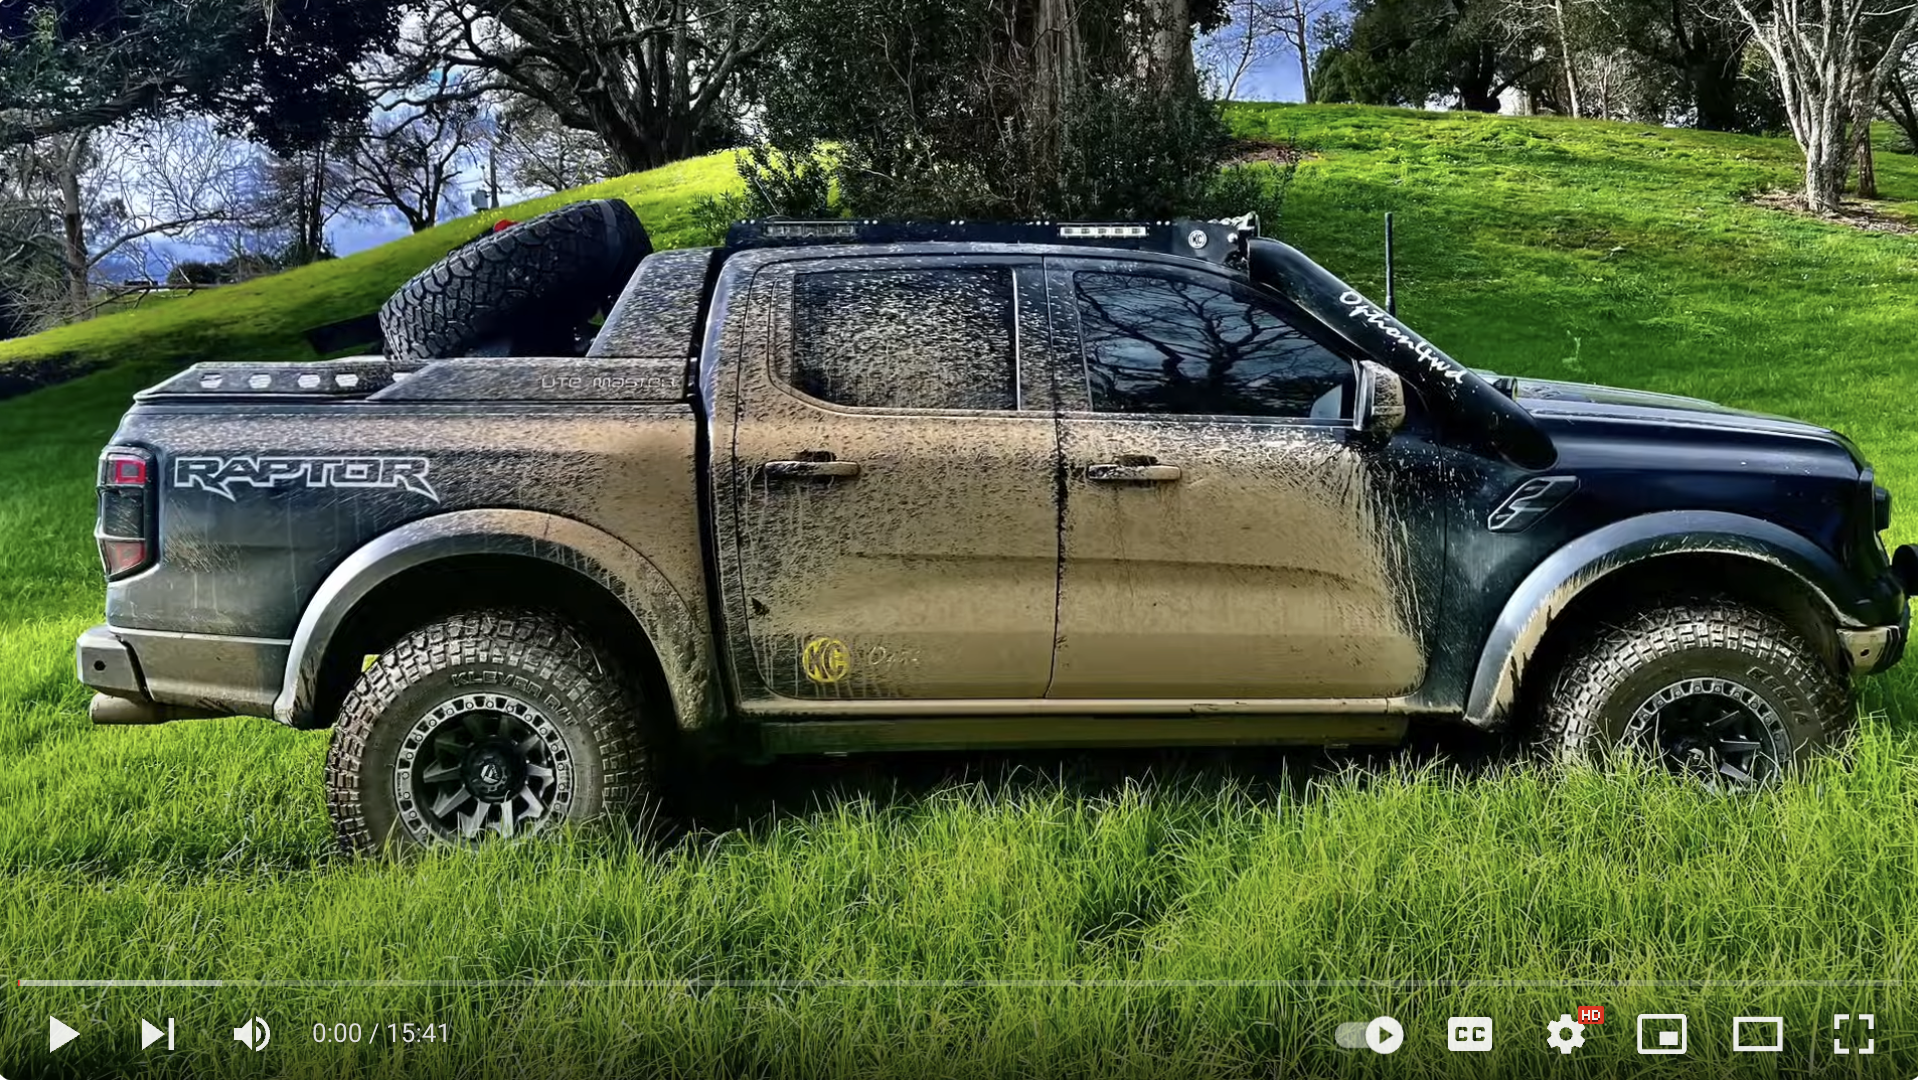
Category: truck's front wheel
<point>491,724</point>
<point>1712,689</point>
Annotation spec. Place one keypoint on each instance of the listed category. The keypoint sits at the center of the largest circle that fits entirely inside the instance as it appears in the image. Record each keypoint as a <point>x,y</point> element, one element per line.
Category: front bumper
<point>150,676</point>
<point>1875,648</point>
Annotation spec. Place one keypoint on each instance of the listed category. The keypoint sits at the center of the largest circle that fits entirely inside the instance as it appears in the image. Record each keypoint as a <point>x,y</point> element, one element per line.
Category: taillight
<point>124,528</point>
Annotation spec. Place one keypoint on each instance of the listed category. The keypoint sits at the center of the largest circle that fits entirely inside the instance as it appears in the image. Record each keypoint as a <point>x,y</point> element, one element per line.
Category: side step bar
<point>1008,732</point>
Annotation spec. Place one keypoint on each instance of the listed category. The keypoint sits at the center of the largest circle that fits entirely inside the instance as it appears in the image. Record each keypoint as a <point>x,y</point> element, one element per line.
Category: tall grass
<point>1086,915</point>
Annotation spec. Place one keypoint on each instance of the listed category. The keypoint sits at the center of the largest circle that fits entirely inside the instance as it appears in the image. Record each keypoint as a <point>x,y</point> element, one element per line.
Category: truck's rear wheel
<point>1711,689</point>
<point>487,725</point>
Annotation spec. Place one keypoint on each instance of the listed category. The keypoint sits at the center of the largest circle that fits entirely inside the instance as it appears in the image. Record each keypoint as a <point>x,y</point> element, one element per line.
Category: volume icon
<point>254,1034</point>
<point>150,1034</point>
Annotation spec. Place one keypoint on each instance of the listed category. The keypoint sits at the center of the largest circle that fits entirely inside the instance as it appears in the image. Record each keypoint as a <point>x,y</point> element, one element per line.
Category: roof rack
<point>1222,241</point>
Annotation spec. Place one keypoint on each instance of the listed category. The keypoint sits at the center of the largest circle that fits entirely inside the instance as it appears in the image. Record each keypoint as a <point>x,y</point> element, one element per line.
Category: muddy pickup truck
<point>845,486</point>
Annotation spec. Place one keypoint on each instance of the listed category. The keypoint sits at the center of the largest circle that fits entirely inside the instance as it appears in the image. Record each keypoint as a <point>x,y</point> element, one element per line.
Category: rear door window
<point>906,338</point>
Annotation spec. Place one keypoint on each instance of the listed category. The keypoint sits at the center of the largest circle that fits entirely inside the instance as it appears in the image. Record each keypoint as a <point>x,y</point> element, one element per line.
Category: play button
<point>1384,1035</point>
<point>58,1034</point>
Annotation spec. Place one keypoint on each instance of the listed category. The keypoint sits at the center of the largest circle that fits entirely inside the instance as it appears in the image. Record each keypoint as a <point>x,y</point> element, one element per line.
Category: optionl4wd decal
<point>1363,309</point>
<point>219,474</point>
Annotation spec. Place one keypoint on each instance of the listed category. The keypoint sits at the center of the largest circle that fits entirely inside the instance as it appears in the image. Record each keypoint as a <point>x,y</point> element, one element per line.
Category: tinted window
<point>906,339</point>
<point>1169,345</point>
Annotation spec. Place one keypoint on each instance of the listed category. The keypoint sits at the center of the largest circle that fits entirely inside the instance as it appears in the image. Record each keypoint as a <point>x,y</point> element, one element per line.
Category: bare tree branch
<point>646,82</point>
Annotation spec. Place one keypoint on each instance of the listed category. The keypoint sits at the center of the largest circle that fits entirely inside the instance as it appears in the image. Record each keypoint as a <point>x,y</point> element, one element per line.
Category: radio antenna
<point>1391,301</point>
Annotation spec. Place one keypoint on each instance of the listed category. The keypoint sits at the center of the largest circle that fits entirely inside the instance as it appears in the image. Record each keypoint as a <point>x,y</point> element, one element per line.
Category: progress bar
<point>965,984</point>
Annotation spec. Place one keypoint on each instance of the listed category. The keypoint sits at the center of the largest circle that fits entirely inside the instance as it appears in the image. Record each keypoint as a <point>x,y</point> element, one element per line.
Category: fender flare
<point>1566,573</point>
<point>676,629</point>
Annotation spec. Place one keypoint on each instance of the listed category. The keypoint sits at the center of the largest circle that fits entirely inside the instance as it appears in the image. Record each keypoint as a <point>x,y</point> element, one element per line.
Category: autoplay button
<point>1384,1035</point>
<point>58,1034</point>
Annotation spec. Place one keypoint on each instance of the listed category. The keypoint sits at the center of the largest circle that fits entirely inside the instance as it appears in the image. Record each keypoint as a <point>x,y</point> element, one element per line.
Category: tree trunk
<point>1714,93</point>
<point>73,227</point>
<point>1571,83</point>
<point>1302,41</point>
<point>1477,84</point>
<point>309,216</point>
<point>316,208</point>
<point>1056,71</point>
<point>1171,49</point>
<point>1565,51</point>
<point>1867,172</point>
<point>1904,112</point>
<point>1824,176</point>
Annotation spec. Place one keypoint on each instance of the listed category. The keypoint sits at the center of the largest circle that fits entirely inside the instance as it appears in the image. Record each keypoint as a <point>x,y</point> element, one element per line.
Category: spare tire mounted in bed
<point>520,291</point>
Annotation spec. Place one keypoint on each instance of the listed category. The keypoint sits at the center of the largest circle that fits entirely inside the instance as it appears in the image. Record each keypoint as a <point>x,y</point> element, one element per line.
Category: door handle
<point>1115,473</point>
<point>810,470</point>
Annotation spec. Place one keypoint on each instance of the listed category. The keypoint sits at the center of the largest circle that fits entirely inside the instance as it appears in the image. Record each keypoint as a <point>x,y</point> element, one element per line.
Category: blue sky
<point>1276,78</point>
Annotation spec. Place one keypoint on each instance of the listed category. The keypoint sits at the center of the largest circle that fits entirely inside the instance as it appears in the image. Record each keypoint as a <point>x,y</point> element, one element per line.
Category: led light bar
<point>1102,230</point>
<point>1218,242</point>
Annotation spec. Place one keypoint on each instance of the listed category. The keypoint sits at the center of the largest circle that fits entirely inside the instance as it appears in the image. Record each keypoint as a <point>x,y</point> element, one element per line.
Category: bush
<point>1257,183</point>
<point>955,109</point>
<point>193,273</point>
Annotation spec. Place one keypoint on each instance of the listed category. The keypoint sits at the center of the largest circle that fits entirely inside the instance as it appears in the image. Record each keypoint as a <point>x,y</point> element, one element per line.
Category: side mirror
<point>1379,408</point>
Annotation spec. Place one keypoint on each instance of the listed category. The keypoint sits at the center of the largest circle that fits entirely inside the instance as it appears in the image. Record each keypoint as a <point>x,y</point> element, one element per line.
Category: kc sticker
<point>219,475</point>
<point>825,660</point>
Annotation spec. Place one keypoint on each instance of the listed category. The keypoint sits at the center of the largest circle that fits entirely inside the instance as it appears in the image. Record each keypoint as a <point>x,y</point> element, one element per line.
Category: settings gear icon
<point>1565,1034</point>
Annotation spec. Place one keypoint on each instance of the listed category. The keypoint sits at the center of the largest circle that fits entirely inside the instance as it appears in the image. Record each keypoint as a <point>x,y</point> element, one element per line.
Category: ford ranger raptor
<point>852,486</point>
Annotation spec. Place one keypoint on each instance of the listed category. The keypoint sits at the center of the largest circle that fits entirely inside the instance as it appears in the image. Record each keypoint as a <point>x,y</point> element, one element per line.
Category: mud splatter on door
<point>894,486</point>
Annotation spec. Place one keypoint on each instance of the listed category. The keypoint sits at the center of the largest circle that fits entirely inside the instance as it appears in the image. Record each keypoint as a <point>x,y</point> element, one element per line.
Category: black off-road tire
<point>1715,657</point>
<point>501,668</point>
<point>522,291</point>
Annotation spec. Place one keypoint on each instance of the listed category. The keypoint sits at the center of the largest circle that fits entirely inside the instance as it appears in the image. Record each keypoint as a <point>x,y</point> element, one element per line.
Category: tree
<point>408,161</point>
<point>1700,44</point>
<point>300,192</point>
<point>1830,57</point>
<point>656,80</point>
<point>281,73</point>
<point>537,151</point>
<point>1297,21</point>
<point>32,271</point>
<point>1898,96</point>
<point>1408,52</point>
<point>114,192</point>
<point>70,66</point>
<point>1249,37</point>
<point>1564,25</point>
<point>1014,108</point>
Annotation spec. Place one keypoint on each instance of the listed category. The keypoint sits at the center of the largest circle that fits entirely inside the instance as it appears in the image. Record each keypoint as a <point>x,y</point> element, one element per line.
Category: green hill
<point>265,319</point>
<point>1138,916</point>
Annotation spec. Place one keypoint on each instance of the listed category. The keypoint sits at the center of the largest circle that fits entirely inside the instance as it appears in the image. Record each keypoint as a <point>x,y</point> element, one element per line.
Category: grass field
<point>1120,915</point>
